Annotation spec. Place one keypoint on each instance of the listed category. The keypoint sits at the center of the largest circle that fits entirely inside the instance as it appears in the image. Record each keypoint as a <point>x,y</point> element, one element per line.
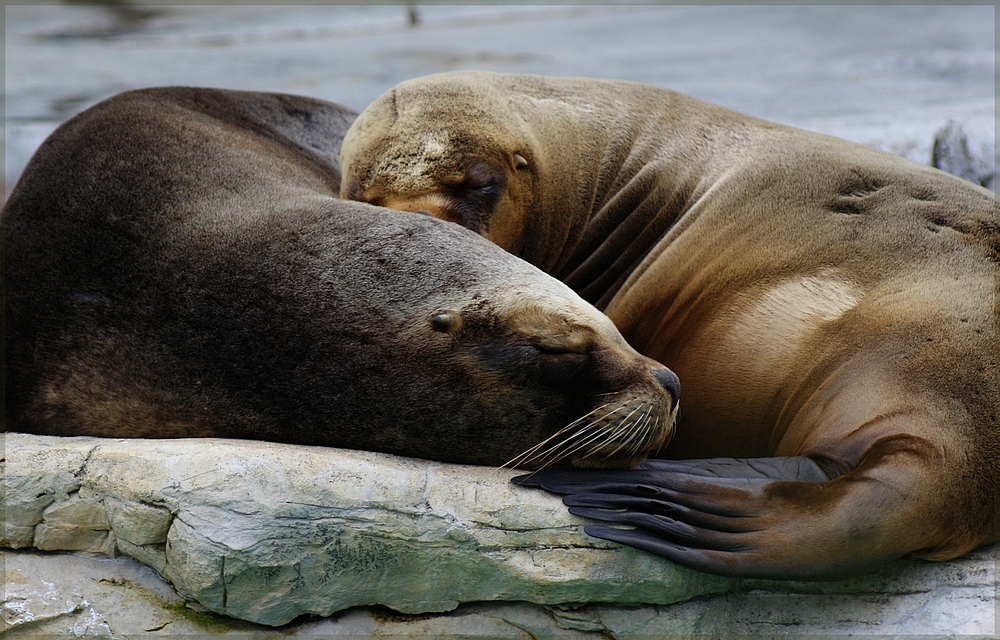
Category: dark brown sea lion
<point>178,265</point>
<point>831,310</point>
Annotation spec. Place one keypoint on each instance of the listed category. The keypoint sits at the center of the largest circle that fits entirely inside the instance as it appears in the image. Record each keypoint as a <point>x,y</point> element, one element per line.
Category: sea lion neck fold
<point>585,154</point>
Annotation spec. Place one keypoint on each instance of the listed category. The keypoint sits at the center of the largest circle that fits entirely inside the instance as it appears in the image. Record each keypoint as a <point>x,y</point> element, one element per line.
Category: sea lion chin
<point>178,264</point>
<point>831,310</point>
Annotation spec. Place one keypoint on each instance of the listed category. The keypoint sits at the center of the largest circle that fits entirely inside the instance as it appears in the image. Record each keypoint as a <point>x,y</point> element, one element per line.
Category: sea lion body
<point>179,265</point>
<point>820,301</point>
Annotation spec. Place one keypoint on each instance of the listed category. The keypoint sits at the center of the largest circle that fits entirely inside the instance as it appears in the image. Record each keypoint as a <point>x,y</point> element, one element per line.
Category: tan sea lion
<point>831,310</point>
<point>178,265</point>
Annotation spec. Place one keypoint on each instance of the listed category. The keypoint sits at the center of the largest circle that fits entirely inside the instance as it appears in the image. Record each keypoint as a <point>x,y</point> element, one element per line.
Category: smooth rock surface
<point>96,596</point>
<point>267,532</point>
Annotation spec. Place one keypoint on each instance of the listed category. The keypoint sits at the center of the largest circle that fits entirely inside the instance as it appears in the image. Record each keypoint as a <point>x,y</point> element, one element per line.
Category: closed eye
<point>477,187</point>
<point>549,349</point>
<point>479,180</point>
<point>558,362</point>
<point>522,361</point>
<point>561,366</point>
<point>486,189</point>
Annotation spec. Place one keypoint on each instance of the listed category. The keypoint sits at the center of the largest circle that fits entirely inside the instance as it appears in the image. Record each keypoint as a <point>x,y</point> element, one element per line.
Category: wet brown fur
<point>816,297</point>
<point>178,264</point>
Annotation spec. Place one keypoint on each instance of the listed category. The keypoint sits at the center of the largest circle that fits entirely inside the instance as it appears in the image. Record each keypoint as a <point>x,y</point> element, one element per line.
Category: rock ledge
<point>267,532</point>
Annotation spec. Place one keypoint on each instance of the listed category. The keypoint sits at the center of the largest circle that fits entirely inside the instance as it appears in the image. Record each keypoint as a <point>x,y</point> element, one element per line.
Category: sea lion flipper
<point>791,468</point>
<point>661,531</point>
<point>623,508</point>
<point>709,560</point>
<point>749,527</point>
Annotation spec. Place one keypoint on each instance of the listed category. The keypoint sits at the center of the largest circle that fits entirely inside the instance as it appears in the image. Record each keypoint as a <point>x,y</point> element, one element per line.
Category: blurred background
<point>893,77</point>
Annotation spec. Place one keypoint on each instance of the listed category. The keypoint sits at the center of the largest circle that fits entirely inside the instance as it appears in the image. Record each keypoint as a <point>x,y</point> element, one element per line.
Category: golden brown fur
<point>816,298</point>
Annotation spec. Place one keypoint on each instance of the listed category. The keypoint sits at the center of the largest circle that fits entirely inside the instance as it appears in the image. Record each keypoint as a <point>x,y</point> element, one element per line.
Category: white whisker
<point>666,440</point>
<point>629,433</point>
<point>641,436</point>
<point>591,435</point>
<point>645,438</point>
<point>583,438</point>
<point>518,459</point>
<point>600,431</point>
<point>596,435</point>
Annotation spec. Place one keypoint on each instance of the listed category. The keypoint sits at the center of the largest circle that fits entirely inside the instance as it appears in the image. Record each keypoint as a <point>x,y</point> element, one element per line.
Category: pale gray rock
<point>48,476</point>
<point>906,599</point>
<point>962,150</point>
<point>62,595</point>
<point>138,523</point>
<point>74,595</point>
<point>267,532</point>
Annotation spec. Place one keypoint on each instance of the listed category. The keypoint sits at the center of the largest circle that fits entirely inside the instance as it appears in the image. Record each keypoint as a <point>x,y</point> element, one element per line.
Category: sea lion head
<point>464,147</point>
<point>453,148</point>
<point>532,374</point>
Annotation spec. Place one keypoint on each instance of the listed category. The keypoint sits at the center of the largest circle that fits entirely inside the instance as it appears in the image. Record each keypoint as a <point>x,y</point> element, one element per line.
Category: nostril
<point>669,381</point>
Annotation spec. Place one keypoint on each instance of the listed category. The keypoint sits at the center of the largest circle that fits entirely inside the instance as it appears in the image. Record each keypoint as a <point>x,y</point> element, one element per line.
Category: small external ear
<point>445,321</point>
<point>519,161</point>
